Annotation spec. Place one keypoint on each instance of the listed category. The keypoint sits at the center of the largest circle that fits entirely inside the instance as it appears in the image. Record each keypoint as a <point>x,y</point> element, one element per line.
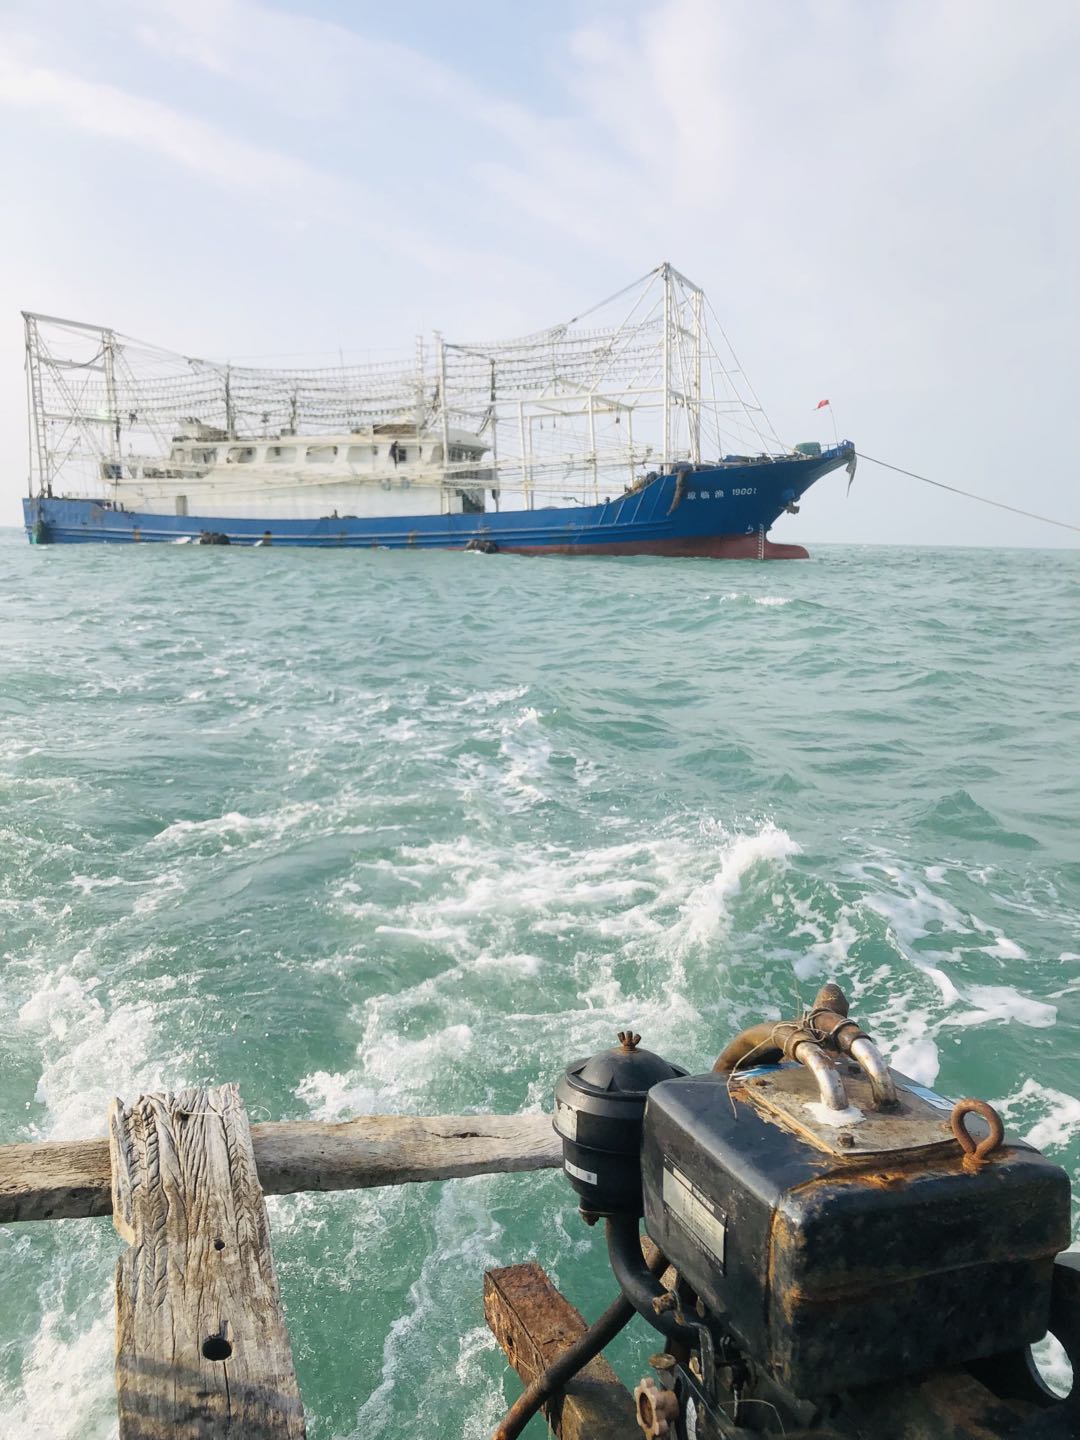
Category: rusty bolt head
<point>657,1410</point>
<point>846,1140</point>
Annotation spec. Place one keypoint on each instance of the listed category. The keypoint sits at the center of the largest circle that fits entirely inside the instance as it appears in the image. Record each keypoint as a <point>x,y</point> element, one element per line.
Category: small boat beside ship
<point>619,439</point>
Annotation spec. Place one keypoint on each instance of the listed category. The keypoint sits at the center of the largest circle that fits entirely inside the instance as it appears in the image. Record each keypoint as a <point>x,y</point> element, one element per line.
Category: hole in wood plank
<point>219,1244</point>
<point>216,1347</point>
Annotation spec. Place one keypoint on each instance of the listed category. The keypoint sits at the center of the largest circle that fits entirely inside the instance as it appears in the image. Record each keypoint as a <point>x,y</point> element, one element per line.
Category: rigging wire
<point>645,281</point>
<point>970,494</point>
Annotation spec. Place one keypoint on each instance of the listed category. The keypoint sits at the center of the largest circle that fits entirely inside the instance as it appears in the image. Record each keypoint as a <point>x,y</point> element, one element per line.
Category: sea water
<point>406,832</point>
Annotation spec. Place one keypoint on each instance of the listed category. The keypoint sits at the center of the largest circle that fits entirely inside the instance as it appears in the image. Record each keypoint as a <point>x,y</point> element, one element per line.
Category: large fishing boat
<point>636,436</point>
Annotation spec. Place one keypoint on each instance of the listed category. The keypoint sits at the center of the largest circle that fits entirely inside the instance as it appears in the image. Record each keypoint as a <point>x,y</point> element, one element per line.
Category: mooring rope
<point>970,495</point>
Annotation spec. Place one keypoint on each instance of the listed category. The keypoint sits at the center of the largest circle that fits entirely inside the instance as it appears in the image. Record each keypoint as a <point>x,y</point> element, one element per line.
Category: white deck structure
<point>388,469</point>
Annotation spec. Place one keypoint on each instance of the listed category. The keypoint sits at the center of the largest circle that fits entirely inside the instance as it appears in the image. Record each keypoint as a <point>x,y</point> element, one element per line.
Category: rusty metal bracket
<point>976,1156</point>
<point>534,1324</point>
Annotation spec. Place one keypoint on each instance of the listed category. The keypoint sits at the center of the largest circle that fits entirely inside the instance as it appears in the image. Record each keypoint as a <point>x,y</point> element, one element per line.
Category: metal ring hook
<point>976,1155</point>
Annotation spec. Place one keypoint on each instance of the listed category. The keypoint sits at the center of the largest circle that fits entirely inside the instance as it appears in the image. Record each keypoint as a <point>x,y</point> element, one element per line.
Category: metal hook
<point>976,1155</point>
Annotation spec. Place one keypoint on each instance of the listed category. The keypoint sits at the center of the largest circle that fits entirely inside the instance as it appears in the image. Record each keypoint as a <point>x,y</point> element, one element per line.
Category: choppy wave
<point>404,833</point>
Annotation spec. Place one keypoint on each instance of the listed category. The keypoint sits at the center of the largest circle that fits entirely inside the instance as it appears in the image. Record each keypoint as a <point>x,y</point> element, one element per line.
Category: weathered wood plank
<point>534,1324</point>
<point>55,1180</point>
<point>68,1179</point>
<point>201,1347</point>
<point>400,1149</point>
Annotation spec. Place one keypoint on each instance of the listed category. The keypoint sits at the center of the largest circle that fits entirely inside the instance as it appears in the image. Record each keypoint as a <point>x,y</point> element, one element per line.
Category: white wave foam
<point>1004,949</point>
<point>491,699</point>
<point>87,884</point>
<point>528,752</point>
<point>705,912</point>
<point>829,952</point>
<point>917,1056</point>
<point>465,1241</point>
<point>395,1071</point>
<point>1003,1002</point>
<point>507,964</point>
<point>66,1391</point>
<point>235,824</point>
<point>159,889</point>
<point>756,599</point>
<point>89,1054</point>
<point>1047,1118</point>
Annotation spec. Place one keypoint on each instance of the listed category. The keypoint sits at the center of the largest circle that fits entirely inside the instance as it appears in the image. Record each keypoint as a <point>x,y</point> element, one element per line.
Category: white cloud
<point>197,146</point>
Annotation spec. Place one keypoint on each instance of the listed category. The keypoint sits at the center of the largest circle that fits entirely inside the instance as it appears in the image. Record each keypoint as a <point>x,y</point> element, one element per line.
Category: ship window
<point>280,454</point>
<point>203,457</point>
<point>241,455</point>
<point>358,454</point>
<point>176,453</point>
<point>321,454</point>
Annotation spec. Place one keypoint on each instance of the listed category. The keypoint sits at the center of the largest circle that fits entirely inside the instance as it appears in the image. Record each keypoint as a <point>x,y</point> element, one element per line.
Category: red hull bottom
<point>710,547</point>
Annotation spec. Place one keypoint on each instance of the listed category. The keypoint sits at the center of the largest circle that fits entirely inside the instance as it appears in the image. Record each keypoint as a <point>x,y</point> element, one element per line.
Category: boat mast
<point>420,358</point>
<point>592,449</point>
<point>442,404</point>
<point>108,347</point>
<point>665,271</point>
<point>33,409</point>
<point>494,441</point>
<point>694,407</point>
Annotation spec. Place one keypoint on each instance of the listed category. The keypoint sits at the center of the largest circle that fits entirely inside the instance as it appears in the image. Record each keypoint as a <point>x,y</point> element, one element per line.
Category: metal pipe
<point>829,1083</point>
<point>636,1280</point>
<point>770,1042</point>
<point>759,1040</point>
<point>866,1054</point>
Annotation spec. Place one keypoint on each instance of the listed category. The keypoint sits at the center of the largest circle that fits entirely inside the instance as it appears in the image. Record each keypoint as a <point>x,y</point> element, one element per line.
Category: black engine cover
<point>839,1270</point>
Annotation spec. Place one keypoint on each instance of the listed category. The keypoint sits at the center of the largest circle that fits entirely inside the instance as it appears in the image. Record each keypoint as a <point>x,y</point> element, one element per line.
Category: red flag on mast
<point>821,404</point>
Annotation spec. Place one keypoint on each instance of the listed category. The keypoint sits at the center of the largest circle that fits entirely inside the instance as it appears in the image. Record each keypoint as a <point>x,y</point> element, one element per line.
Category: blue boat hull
<point>725,511</point>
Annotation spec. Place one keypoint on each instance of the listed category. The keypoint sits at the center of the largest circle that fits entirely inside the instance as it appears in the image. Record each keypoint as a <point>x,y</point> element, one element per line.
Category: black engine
<point>819,1227</point>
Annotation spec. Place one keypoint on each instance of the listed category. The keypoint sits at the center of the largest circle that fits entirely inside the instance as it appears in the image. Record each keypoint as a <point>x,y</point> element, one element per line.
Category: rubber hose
<point>638,1281</point>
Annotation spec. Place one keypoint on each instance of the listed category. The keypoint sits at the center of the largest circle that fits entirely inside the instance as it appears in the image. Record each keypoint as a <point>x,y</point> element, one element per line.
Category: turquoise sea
<point>407,832</point>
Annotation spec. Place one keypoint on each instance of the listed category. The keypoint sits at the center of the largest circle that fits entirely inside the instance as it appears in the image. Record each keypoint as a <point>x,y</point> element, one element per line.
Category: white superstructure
<point>394,468</point>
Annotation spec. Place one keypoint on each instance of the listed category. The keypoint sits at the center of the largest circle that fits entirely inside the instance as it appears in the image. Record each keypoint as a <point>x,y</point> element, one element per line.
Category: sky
<point>881,198</point>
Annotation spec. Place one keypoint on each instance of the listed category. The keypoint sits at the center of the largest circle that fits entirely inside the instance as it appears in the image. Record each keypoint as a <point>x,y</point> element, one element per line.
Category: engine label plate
<point>699,1216</point>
